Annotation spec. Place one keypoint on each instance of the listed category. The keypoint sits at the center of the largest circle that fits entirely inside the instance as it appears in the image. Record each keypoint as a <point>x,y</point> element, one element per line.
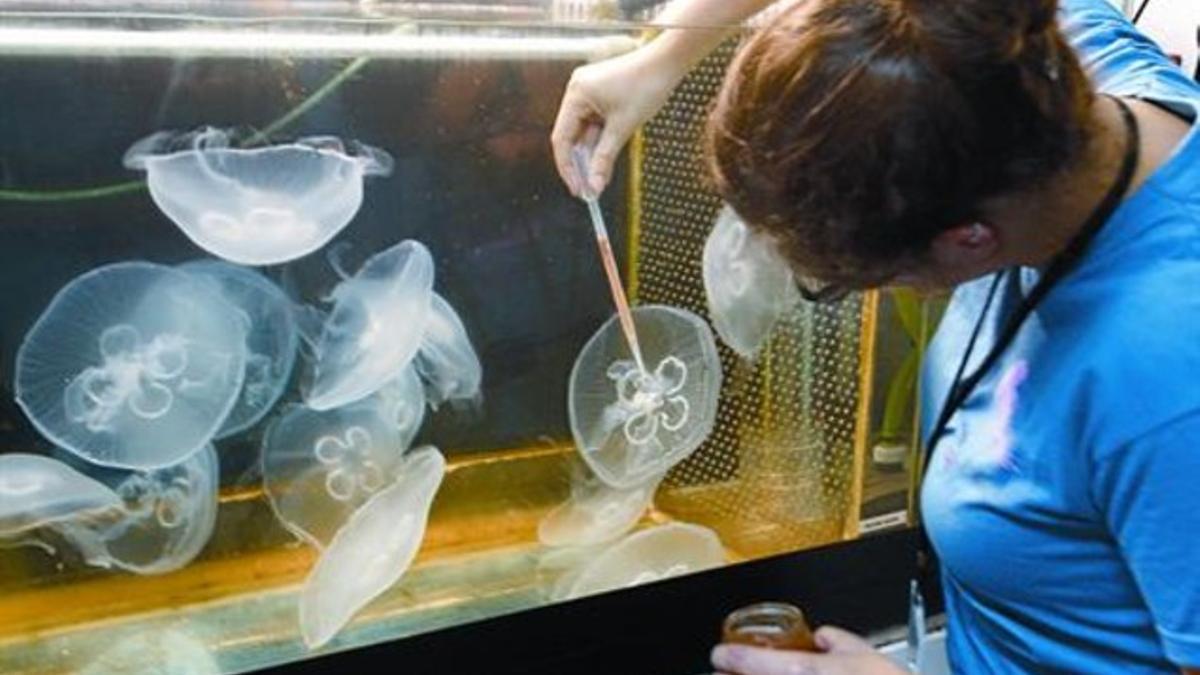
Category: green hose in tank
<point>116,189</point>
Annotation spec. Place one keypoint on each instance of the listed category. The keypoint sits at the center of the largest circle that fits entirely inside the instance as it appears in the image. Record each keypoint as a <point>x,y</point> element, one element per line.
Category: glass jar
<point>774,625</point>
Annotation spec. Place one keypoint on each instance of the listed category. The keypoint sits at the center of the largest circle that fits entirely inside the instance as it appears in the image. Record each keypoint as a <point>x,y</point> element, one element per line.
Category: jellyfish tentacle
<point>204,143</point>
<point>335,256</point>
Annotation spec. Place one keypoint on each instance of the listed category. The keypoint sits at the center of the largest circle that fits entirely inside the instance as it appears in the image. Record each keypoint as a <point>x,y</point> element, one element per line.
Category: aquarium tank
<point>304,346</point>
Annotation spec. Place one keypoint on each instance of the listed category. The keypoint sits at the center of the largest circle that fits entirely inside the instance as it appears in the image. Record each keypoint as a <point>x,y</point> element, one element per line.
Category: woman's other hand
<point>843,654</point>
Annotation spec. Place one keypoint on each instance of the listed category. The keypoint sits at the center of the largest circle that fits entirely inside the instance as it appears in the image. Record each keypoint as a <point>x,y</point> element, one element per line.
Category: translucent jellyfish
<point>650,555</point>
<point>37,491</point>
<point>446,360</point>
<point>596,513</point>
<point>376,326</point>
<point>402,403</point>
<point>133,365</point>
<point>748,283</point>
<point>167,518</point>
<point>630,426</point>
<point>271,339</point>
<point>260,206</point>
<point>319,467</point>
<point>155,651</point>
<point>373,550</point>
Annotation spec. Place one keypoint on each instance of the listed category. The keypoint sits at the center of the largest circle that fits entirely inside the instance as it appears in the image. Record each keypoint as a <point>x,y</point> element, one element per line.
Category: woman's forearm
<point>691,29</point>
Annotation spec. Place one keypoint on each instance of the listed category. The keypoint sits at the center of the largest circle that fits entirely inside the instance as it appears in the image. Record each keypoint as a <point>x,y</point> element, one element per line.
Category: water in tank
<point>303,345</point>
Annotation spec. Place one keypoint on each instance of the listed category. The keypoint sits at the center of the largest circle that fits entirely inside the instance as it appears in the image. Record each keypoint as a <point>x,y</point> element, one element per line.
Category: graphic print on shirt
<point>978,462</point>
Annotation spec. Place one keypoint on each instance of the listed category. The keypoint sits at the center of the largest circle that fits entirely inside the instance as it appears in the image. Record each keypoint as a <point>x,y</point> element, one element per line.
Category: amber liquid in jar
<point>774,625</point>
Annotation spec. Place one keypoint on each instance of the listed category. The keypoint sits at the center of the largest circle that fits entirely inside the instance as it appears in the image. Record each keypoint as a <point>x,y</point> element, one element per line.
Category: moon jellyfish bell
<point>650,555</point>
<point>401,402</point>
<point>373,549</point>
<point>596,513</point>
<point>630,426</point>
<point>446,360</point>
<point>133,365</point>
<point>747,282</point>
<point>168,517</point>
<point>37,491</point>
<point>256,206</point>
<point>319,467</point>
<point>376,326</point>
<point>270,343</point>
<point>155,651</point>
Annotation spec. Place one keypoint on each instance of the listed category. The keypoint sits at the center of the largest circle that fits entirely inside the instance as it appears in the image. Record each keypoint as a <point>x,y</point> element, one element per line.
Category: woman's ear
<point>965,251</point>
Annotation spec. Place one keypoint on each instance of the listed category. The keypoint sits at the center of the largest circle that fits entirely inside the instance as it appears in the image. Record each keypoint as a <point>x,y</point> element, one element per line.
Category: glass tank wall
<point>303,346</point>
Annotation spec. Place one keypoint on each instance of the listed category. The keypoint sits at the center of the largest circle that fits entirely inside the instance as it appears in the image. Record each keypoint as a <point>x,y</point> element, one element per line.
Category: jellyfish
<point>629,425</point>
<point>133,365</point>
<point>271,339</point>
<point>261,206</point>
<point>748,284</point>
<point>596,513</point>
<point>167,518</point>
<point>446,360</point>
<point>376,326</point>
<point>401,402</point>
<point>319,467</point>
<point>370,553</point>
<point>36,491</point>
<point>647,556</point>
<point>154,652</point>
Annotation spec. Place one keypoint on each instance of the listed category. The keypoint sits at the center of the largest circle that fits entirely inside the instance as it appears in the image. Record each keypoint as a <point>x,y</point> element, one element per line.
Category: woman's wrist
<point>675,51</point>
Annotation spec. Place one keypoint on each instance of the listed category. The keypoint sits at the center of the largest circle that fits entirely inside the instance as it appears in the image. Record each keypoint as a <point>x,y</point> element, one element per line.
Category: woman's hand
<point>844,654</point>
<point>604,103</point>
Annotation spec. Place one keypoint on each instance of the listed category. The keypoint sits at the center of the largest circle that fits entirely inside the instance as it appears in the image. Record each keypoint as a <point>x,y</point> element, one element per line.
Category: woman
<point>1043,161</point>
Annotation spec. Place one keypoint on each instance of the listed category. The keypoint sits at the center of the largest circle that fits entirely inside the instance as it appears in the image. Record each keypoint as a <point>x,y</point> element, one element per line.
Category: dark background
<point>473,181</point>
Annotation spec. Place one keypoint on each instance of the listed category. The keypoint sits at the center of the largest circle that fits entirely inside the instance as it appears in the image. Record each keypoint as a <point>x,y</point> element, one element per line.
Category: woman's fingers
<point>613,136</point>
<point>569,126</point>
<point>837,641</point>
<point>759,661</point>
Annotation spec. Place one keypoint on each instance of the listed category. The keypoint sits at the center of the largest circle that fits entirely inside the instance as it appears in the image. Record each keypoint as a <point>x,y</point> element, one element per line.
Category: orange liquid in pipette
<point>614,282</point>
<point>622,303</point>
<point>581,156</point>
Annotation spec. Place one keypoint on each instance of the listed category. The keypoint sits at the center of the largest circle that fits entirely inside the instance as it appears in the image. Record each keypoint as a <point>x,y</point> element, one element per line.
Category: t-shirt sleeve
<point>1121,60</point>
<point>1149,494</point>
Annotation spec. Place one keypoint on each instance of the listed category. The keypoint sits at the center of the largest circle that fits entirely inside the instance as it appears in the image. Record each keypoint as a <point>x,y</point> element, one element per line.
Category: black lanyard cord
<point>961,389</point>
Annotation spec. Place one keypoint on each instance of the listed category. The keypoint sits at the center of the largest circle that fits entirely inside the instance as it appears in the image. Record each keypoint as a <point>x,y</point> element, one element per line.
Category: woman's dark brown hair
<point>855,131</point>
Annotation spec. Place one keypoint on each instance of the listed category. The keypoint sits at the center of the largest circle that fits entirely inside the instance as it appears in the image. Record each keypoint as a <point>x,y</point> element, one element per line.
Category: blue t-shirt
<point>1064,502</point>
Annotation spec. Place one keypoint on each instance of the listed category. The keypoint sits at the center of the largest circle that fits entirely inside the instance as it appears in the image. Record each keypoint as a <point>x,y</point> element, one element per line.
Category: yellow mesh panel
<point>778,472</point>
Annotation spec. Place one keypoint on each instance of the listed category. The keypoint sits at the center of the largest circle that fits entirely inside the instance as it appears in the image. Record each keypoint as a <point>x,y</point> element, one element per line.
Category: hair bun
<point>1007,27</point>
<point>1040,14</point>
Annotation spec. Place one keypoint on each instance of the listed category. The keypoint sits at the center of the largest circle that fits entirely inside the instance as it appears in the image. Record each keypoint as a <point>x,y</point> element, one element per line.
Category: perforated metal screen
<point>778,472</point>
